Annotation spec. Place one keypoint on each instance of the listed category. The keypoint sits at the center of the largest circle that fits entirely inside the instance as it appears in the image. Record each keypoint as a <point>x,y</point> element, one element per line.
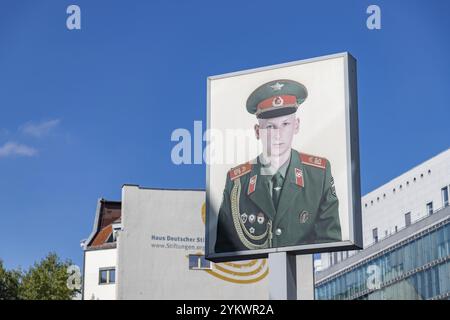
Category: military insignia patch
<point>260,218</point>
<point>313,161</point>
<point>304,216</point>
<point>251,218</point>
<point>252,184</point>
<point>240,171</point>
<point>299,177</point>
<point>244,217</point>
<point>333,189</point>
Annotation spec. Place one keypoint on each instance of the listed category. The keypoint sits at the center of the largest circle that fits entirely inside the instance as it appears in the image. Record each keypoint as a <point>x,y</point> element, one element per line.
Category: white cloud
<point>12,148</point>
<point>39,129</point>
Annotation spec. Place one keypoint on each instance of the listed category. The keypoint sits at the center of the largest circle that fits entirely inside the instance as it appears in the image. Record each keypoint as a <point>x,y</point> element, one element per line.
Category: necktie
<point>277,181</point>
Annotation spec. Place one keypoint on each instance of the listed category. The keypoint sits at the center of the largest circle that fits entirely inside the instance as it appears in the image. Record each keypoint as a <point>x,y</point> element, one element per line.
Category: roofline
<point>111,201</point>
<point>95,227</point>
<point>405,172</point>
<point>96,221</point>
<point>164,189</point>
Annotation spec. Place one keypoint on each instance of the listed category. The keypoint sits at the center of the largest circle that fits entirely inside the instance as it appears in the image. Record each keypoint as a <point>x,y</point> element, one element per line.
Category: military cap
<point>276,98</point>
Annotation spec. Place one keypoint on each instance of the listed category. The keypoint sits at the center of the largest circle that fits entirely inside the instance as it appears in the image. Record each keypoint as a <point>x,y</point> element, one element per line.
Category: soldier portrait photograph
<point>284,197</point>
<point>295,189</point>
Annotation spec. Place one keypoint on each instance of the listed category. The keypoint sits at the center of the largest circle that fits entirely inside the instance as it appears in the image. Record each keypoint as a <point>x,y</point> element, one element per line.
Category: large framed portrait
<point>283,160</point>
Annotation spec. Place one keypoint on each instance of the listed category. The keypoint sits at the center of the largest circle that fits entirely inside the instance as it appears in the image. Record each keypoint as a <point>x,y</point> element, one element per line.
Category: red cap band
<point>277,101</point>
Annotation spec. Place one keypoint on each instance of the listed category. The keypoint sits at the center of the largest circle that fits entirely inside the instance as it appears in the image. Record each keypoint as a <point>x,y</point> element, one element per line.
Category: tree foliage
<point>9,283</point>
<point>45,280</point>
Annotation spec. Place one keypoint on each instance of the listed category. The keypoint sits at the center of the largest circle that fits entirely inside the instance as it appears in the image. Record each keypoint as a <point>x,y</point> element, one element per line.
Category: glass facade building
<point>416,267</point>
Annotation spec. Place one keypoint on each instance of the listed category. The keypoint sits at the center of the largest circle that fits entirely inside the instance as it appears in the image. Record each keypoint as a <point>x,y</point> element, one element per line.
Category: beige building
<point>151,246</point>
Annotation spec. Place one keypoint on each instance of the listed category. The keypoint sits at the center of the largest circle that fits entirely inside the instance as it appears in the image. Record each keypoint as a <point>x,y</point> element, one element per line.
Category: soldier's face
<point>276,134</point>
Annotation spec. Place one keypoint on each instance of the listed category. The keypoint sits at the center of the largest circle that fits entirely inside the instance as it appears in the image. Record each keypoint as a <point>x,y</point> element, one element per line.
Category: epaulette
<point>314,161</point>
<point>239,171</point>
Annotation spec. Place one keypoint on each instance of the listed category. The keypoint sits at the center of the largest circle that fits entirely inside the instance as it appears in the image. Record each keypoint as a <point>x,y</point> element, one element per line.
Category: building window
<point>198,262</point>
<point>430,207</point>
<point>408,219</point>
<point>103,276</point>
<point>444,192</point>
<point>375,234</point>
<point>107,276</point>
<point>112,276</point>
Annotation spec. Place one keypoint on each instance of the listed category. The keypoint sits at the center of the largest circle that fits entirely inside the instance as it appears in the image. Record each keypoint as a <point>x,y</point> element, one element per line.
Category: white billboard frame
<point>353,177</point>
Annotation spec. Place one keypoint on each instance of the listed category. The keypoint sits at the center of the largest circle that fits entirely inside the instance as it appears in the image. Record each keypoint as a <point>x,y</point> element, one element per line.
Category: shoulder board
<point>314,161</point>
<point>241,170</point>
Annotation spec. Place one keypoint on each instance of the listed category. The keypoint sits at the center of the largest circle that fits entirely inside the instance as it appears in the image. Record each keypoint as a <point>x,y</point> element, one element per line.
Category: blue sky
<point>84,111</point>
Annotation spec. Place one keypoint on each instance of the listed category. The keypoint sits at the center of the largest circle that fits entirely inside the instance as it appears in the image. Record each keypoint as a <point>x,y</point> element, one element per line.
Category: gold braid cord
<point>240,227</point>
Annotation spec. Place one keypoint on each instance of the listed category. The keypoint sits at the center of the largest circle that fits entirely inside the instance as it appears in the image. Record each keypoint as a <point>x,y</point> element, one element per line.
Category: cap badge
<point>277,101</point>
<point>277,86</point>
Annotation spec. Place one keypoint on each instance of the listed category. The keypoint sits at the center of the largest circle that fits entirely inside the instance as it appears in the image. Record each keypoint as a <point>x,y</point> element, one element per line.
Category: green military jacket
<point>307,210</point>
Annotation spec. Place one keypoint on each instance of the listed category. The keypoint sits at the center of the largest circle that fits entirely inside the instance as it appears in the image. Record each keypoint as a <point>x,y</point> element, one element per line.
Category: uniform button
<point>278,232</point>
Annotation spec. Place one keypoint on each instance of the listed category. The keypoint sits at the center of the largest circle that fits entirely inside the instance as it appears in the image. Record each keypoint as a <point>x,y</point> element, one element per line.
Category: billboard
<point>283,160</point>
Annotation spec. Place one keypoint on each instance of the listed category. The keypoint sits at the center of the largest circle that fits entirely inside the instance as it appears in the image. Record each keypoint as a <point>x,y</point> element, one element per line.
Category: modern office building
<point>406,234</point>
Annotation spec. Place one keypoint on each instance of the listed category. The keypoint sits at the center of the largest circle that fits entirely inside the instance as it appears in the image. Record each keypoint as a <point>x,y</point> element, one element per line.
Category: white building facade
<point>401,202</point>
<point>100,263</point>
<point>151,246</point>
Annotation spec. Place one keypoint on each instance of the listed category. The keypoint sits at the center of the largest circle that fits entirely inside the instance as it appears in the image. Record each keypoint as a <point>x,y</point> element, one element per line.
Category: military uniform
<point>305,209</point>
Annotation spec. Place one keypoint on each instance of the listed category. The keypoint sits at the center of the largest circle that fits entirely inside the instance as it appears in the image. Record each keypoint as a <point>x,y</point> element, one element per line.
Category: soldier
<point>283,197</point>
